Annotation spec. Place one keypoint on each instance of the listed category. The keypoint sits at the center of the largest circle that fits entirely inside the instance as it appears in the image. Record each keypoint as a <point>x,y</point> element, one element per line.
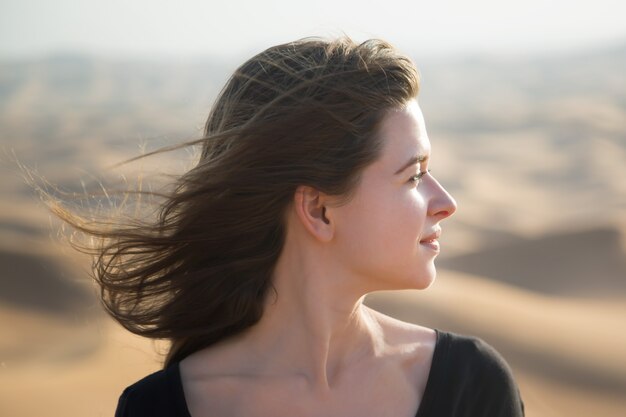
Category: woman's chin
<point>420,282</point>
<point>420,279</point>
<point>426,278</point>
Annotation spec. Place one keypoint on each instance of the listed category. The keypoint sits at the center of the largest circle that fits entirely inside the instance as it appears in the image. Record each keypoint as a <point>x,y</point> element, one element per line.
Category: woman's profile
<point>313,189</point>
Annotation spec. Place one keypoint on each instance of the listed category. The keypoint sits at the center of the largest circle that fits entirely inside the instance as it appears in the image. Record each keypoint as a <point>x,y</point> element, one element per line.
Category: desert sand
<point>532,148</point>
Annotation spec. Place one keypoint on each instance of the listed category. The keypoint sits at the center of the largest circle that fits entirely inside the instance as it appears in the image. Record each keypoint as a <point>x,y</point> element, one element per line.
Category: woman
<point>312,190</point>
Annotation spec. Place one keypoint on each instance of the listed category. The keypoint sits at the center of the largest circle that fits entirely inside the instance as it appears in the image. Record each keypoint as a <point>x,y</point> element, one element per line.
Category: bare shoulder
<point>398,332</point>
<point>214,361</point>
<point>209,380</point>
<point>411,345</point>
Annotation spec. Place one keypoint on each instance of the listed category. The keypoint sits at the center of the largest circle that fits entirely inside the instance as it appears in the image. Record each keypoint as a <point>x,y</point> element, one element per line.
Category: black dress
<point>468,378</point>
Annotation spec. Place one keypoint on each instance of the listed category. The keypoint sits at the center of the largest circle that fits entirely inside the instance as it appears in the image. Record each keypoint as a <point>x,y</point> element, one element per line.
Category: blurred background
<point>525,105</point>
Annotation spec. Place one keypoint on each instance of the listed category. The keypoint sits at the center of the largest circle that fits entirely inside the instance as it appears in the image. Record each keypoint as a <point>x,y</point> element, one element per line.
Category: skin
<point>318,350</point>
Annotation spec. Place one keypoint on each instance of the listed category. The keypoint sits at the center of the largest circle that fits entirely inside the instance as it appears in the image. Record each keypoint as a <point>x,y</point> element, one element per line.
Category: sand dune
<point>77,385</point>
<point>24,273</point>
<point>46,309</point>
<point>583,263</point>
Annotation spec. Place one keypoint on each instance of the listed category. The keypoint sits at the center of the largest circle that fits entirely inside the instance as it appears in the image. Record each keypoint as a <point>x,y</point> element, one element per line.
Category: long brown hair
<point>301,113</point>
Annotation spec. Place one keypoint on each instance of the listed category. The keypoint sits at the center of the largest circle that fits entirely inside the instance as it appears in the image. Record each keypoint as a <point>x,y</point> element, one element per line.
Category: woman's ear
<point>309,205</point>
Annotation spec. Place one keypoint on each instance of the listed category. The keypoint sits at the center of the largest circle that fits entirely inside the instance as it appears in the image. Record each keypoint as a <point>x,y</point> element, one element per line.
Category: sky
<point>239,27</point>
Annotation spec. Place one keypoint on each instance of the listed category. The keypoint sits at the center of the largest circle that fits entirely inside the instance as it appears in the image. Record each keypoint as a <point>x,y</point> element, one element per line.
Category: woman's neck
<point>314,326</point>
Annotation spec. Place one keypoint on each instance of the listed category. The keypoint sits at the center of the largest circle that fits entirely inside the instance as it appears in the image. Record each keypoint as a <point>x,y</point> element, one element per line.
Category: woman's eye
<point>416,178</point>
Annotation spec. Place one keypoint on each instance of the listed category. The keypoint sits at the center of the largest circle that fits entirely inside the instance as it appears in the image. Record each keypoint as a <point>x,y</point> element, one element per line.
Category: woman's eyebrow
<point>412,161</point>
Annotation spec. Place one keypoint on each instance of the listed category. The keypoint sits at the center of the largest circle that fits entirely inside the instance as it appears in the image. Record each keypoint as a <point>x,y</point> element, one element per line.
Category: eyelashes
<point>418,177</point>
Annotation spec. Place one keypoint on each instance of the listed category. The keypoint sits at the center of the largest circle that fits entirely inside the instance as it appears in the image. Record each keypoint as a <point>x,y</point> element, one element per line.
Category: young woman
<point>312,190</point>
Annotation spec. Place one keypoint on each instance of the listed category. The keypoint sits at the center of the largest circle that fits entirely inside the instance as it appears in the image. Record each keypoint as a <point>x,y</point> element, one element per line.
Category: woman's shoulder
<point>462,366</point>
<point>472,355</point>
<point>398,332</point>
<point>454,348</point>
<point>157,394</point>
<point>477,373</point>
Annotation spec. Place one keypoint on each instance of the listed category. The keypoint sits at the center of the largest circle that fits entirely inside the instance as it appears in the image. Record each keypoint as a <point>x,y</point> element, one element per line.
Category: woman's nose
<point>442,204</point>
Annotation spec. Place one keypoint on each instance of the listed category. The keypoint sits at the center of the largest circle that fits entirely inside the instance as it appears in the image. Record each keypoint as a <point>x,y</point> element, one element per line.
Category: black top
<point>468,378</point>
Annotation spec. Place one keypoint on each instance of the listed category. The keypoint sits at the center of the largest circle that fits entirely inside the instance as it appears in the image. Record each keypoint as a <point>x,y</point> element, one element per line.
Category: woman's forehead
<point>404,135</point>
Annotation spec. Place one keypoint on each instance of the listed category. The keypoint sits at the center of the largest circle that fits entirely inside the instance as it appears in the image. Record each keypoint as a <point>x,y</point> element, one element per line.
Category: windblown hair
<point>302,113</point>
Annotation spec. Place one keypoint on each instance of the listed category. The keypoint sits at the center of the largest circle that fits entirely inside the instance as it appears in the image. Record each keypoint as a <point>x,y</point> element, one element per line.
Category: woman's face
<point>380,233</point>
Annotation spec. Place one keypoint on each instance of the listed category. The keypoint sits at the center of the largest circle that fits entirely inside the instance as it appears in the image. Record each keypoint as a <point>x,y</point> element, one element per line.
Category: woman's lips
<point>431,241</point>
<point>432,244</point>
